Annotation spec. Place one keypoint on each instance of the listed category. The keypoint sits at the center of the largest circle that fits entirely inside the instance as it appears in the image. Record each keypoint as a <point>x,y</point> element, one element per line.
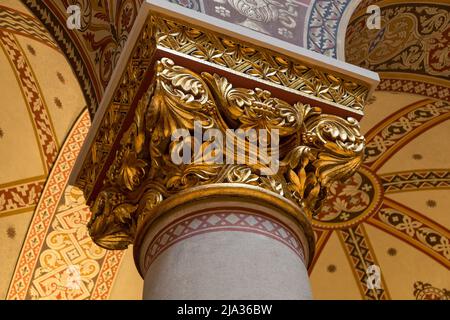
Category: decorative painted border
<point>31,276</point>
<point>107,275</point>
<point>37,108</point>
<point>361,255</point>
<point>398,129</point>
<point>20,196</point>
<point>46,209</point>
<point>109,269</point>
<point>25,25</point>
<point>415,180</point>
<point>221,220</point>
<point>415,87</point>
<point>324,25</point>
<point>415,229</point>
<point>65,43</point>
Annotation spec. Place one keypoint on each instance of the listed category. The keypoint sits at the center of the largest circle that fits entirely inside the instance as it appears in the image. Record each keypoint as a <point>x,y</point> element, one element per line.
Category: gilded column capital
<point>311,149</point>
<point>188,92</point>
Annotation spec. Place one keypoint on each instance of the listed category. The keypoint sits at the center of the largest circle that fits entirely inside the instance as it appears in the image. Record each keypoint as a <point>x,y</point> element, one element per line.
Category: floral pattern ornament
<point>435,240</point>
<point>94,49</point>
<point>282,19</point>
<point>316,149</point>
<point>425,291</point>
<point>350,202</point>
<point>413,39</point>
<point>105,29</point>
<point>323,26</point>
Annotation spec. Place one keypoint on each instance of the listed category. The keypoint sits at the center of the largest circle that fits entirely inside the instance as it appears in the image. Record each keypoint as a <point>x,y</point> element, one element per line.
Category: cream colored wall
<point>13,230</point>
<point>20,160</point>
<point>128,285</point>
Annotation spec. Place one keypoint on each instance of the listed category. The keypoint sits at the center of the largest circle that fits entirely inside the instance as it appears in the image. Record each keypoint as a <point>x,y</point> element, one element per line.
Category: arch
<point>94,50</point>
<point>327,25</point>
<point>70,49</point>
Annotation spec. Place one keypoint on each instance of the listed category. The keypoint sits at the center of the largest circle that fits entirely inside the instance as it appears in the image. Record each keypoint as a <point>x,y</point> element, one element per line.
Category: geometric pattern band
<point>415,87</point>
<point>222,220</point>
<point>46,209</point>
<point>415,229</point>
<point>45,133</point>
<point>22,196</point>
<point>58,244</point>
<point>416,180</point>
<point>361,258</point>
<point>25,25</point>
<point>386,138</point>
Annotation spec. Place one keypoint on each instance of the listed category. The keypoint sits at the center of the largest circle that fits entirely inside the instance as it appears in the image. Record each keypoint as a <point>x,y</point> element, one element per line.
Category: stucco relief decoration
<point>64,263</point>
<point>316,150</point>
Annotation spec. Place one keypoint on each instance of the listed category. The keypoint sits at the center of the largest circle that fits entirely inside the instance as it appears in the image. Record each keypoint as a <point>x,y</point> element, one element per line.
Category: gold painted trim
<point>318,149</point>
<point>299,94</point>
<point>23,181</point>
<point>261,40</point>
<point>386,75</point>
<point>259,62</point>
<point>5,214</point>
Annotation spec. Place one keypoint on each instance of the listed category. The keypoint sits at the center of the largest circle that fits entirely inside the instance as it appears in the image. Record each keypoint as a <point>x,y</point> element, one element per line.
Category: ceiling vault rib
<point>416,180</point>
<point>322,237</point>
<point>361,257</point>
<point>87,51</point>
<point>401,128</point>
<point>415,229</point>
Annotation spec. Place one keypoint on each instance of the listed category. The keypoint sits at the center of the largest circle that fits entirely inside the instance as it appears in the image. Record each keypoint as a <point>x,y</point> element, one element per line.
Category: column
<point>225,242</point>
<point>162,168</point>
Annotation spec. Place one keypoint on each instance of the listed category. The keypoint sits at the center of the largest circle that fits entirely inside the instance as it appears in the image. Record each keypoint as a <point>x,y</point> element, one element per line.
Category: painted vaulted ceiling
<point>393,213</point>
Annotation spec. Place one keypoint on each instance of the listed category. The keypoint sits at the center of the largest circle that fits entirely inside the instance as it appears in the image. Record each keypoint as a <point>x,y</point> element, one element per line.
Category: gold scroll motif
<point>138,64</point>
<point>165,33</point>
<point>259,63</point>
<point>315,149</point>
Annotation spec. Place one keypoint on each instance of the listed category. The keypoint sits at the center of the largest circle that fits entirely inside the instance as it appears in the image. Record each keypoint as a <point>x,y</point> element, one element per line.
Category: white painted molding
<point>236,31</point>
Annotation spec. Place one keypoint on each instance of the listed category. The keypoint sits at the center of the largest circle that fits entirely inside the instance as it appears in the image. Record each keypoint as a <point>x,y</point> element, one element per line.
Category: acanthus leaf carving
<point>317,149</point>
